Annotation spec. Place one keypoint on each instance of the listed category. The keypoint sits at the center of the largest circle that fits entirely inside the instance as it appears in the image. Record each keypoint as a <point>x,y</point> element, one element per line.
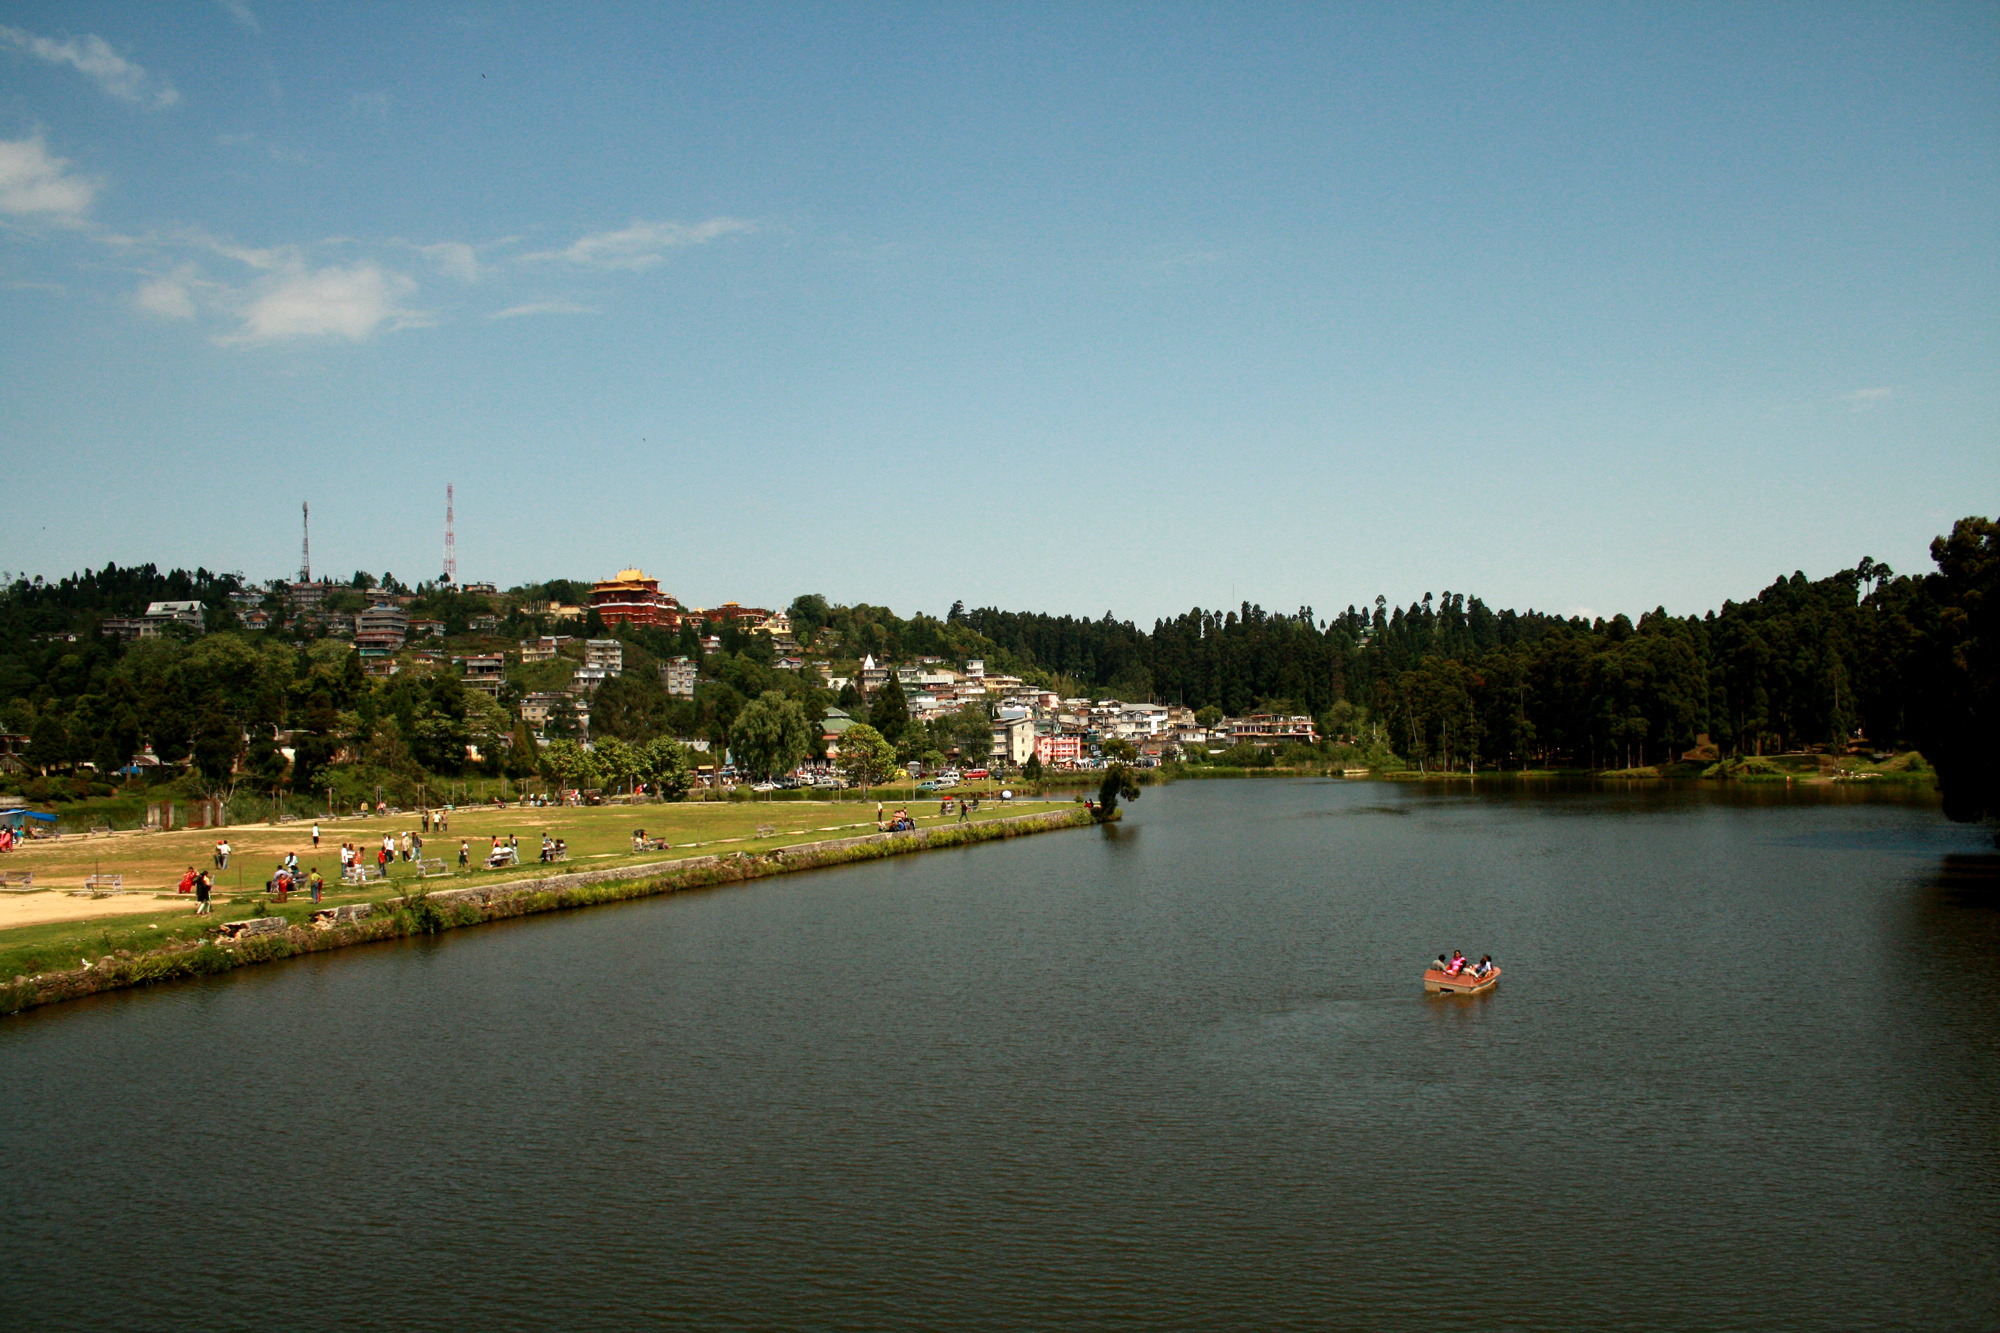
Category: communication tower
<point>450,541</point>
<point>305,542</point>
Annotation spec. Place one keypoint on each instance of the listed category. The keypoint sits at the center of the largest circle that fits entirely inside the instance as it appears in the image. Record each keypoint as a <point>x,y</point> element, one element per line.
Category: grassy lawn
<point>597,837</point>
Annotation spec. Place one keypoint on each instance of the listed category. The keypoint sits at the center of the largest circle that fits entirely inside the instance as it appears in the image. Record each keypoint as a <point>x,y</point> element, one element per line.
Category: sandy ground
<point>34,909</point>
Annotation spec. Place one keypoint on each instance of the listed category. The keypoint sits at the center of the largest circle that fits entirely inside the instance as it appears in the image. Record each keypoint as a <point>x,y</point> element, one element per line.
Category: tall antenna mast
<point>305,543</point>
<point>450,541</point>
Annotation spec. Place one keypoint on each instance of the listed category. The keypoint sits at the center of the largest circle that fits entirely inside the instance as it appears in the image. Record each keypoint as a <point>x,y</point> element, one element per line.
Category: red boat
<point>1461,982</point>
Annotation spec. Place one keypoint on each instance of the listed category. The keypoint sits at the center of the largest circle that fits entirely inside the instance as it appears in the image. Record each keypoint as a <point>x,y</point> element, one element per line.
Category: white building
<point>175,613</point>
<point>680,676</point>
<point>607,654</point>
<point>1014,739</point>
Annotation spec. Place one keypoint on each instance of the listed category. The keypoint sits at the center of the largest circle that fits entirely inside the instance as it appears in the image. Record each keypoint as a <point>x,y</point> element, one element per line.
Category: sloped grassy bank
<point>272,938</point>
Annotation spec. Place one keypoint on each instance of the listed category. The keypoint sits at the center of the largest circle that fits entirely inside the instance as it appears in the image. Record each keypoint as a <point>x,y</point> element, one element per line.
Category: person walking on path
<point>464,856</point>
<point>202,885</point>
<point>222,849</point>
<point>315,835</point>
<point>316,884</point>
<point>964,812</point>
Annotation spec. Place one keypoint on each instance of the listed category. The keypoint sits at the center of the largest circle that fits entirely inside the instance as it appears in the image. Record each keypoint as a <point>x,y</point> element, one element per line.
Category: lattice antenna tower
<point>305,542</point>
<point>450,541</point>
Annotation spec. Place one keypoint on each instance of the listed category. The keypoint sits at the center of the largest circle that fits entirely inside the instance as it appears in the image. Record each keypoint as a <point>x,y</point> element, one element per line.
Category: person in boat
<point>1457,964</point>
<point>1439,965</point>
<point>1483,966</point>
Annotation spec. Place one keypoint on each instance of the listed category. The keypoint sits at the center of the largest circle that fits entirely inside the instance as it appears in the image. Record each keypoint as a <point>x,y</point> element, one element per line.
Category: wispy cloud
<point>454,258</point>
<point>169,298</point>
<point>34,184</point>
<point>351,302</point>
<point>1861,400</point>
<point>94,58</point>
<point>543,308</point>
<point>239,11</point>
<point>642,244</point>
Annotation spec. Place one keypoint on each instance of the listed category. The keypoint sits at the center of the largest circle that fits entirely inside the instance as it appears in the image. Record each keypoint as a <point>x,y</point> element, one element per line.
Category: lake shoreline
<point>427,913</point>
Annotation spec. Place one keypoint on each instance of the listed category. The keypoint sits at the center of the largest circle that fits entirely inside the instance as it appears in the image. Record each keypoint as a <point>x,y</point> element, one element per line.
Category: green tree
<point>1209,716</point>
<point>48,743</point>
<point>632,707</point>
<point>617,761</point>
<point>865,757</point>
<point>1032,770</point>
<point>1120,749</point>
<point>1118,783</point>
<point>889,713</point>
<point>1955,719</point>
<point>567,764</point>
<point>523,755</point>
<point>218,744</point>
<point>666,767</point>
<point>771,735</point>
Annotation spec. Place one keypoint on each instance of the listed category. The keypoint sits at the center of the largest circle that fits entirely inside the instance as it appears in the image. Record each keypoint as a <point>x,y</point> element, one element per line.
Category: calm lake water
<point>1743,1072</point>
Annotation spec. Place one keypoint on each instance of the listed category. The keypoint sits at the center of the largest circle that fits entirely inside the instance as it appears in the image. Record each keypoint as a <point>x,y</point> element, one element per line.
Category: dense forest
<point>1896,660</point>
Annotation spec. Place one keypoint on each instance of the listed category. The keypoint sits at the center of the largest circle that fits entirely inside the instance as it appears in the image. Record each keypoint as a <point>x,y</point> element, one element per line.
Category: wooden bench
<point>17,880</point>
<point>104,883</point>
<point>430,865</point>
<point>361,872</point>
<point>767,830</point>
<point>502,857</point>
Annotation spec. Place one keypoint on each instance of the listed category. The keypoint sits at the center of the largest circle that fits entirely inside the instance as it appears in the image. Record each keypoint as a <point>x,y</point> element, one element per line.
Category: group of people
<point>1458,963</point>
<point>222,850</point>
<point>286,878</point>
<point>554,849</point>
<point>900,822</point>
<point>965,807</point>
<point>200,884</point>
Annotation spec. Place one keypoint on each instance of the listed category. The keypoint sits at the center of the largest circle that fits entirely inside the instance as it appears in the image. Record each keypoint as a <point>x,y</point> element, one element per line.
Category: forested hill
<point>37,606</point>
<point>1906,660</point>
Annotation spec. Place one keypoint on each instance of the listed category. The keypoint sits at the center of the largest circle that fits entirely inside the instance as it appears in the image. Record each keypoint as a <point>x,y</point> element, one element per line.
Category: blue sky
<point>1069,308</point>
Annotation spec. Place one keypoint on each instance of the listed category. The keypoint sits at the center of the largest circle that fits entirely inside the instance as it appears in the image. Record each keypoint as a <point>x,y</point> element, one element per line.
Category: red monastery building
<point>631,597</point>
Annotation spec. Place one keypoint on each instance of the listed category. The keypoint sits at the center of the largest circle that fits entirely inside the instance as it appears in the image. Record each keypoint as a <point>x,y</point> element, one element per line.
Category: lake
<point>1743,1071</point>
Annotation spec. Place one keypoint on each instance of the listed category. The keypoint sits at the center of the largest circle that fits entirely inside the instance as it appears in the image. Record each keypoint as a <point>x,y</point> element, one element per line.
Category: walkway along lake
<point>1743,1072</point>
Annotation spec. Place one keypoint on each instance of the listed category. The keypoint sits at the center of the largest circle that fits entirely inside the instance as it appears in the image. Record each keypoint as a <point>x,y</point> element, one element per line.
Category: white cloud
<point>33,184</point>
<point>169,298</point>
<point>1863,399</point>
<point>351,303</point>
<point>455,258</point>
<point>93,57</point>
<point>643,244</point>
<point>239,11</point>
<point>542,308</point>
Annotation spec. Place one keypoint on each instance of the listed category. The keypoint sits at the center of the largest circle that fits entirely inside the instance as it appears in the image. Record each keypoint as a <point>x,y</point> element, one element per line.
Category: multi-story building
<point>484,672</point>
<point>1014,739</point>
<point>607,654</point>
<point>679,675</point>
<point>873,677</point>
<point>540,650</point>
<point>176,613</point>
<point>1272,729</point>
<point>633,599</point>
<point>305,598</point>
<point>427,629</point>
<point>536,707</point>
<point>381,629</point>
<point>588,678</point>
<point>1058,751</point>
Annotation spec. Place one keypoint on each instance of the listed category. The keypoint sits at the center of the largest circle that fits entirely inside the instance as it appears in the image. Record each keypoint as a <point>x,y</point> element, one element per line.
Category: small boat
<point>1437,981</point>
